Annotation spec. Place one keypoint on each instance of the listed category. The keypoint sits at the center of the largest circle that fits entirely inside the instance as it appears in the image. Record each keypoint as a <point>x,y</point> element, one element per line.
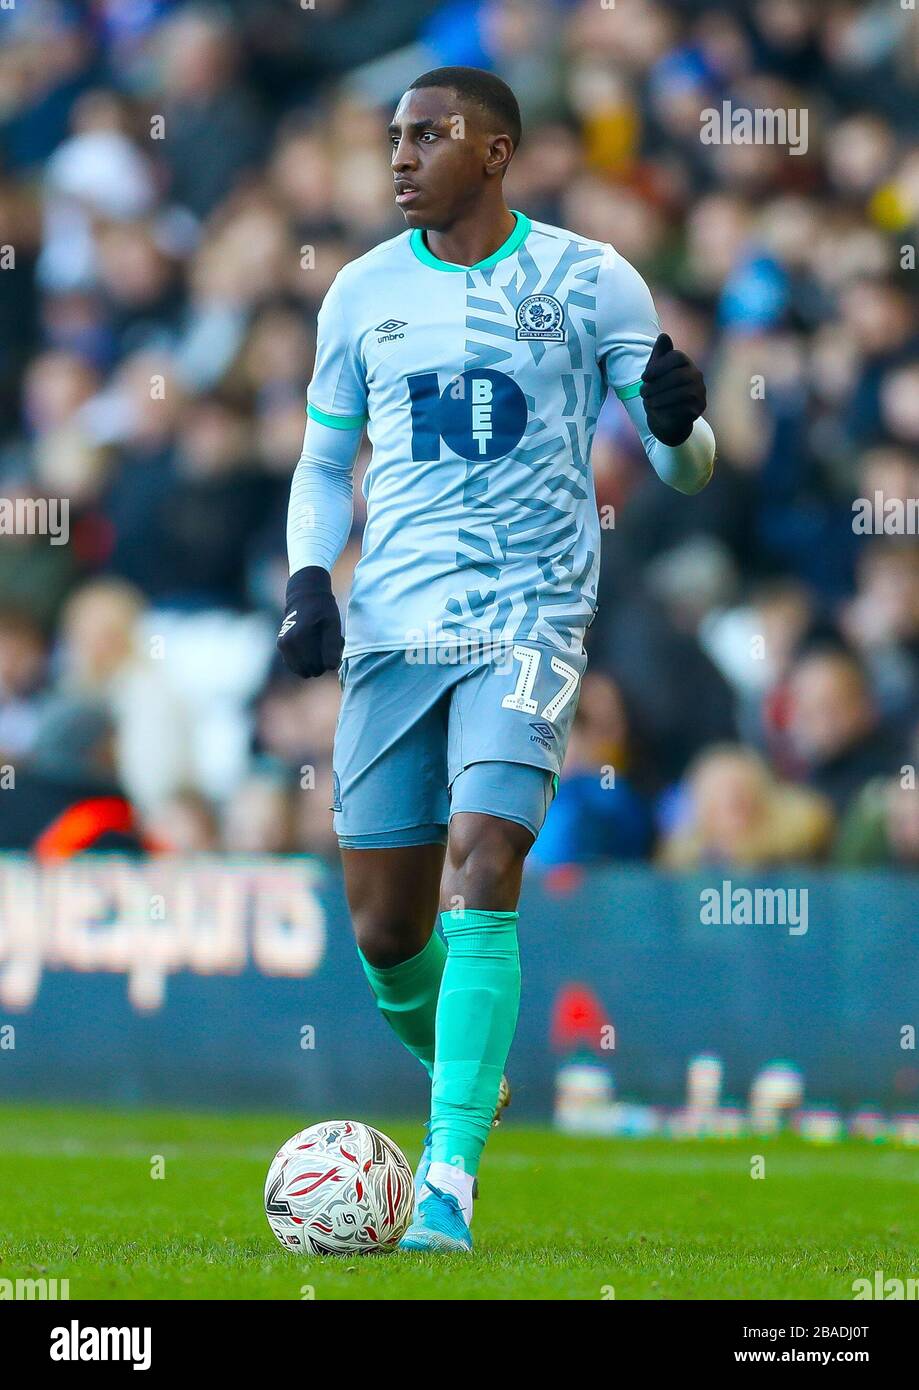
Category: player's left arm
<point>661,389</point>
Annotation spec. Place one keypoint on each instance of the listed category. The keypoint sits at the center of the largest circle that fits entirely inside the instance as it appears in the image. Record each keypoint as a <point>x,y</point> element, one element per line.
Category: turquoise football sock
<point>476,1019</point>
<point>406,996</point>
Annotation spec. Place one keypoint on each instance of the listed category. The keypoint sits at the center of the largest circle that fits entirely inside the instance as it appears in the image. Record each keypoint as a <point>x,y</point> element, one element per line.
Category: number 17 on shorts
<point>520,708</point>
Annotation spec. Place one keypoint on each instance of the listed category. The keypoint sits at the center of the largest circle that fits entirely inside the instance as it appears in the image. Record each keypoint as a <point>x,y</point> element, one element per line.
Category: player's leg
<point>509,726</point>
<point>393,897</point>
<point>391,810</point>
<point>480,992</point>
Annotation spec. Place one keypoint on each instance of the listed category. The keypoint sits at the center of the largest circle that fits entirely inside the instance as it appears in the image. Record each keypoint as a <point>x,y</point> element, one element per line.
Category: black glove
<point>310,639</point>
<point>673,392</point>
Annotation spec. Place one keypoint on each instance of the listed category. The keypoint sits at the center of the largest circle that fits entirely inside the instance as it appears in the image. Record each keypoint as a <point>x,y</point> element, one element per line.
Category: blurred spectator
<point>312,818</point>
<point>67,799</point>
<point>681,702</point>
<point>259,818</point>
<point>23,674</point>
<point>295,721</point>
<point>882,827</point>
<point>102,659</point>
<point>185,823</point>
<point>190,539</point>
<point>835,728</point>
<point>35,577</point>
<point>214,131</point>
<point>882,622</point>
<point>596,814</point>
<point>741,817</point>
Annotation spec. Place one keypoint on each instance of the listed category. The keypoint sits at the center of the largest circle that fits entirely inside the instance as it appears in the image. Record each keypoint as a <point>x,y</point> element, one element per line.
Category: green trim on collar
<point>336,422</point>
<point>516,239</point>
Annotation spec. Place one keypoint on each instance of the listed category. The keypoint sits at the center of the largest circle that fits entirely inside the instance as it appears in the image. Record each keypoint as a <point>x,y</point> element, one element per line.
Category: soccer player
<point>477,348</point>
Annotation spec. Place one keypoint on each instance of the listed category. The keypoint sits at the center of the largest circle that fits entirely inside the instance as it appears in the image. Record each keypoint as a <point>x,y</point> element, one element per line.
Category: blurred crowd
<point>179,184</point>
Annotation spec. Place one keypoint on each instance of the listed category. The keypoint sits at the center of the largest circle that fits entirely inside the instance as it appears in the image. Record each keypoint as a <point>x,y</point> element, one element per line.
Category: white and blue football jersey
<point>480,388</point>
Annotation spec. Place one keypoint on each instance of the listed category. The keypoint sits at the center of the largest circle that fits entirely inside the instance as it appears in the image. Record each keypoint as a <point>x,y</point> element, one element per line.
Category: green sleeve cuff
<point>336,422</point>
<point>625,393</point>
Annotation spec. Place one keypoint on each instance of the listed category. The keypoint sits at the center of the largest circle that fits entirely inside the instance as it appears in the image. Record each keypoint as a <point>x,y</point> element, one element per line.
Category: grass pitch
<point>559,1218</point>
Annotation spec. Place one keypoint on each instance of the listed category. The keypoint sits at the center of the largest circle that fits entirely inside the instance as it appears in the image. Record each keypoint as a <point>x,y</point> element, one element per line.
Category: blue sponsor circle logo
<point>481,414</point>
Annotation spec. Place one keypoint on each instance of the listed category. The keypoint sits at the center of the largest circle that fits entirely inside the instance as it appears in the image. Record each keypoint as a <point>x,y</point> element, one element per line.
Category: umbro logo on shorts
<point>543,734</point>
<point>544,730</point>
<point>390,329</point>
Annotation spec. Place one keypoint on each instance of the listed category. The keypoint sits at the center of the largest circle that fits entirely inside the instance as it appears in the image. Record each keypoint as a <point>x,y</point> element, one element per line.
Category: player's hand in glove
<point>310,639</point>
<point>673,392</point>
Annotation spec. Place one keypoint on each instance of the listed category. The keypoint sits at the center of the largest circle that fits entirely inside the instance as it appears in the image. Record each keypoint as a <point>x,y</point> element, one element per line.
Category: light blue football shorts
<point>420,739</point>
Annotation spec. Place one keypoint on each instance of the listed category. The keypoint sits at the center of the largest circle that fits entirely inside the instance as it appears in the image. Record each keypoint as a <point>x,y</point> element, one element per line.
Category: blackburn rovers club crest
<point>541,316</point>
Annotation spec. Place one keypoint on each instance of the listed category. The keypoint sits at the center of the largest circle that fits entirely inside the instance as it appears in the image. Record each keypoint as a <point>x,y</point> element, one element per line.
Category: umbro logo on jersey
<point>544,731</point>
<point>390,330</point>
<point>289,622</point>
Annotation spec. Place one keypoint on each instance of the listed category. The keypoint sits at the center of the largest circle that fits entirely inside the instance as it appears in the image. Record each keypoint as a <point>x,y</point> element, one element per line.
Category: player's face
<point>440,156</point>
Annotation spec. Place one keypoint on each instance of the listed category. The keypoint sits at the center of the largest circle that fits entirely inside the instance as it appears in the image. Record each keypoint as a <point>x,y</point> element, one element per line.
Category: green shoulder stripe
<point>625,393</point>
<point>335,422</point>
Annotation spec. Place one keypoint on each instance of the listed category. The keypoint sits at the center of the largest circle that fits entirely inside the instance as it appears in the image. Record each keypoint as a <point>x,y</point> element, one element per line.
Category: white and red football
<point>339,1188</point>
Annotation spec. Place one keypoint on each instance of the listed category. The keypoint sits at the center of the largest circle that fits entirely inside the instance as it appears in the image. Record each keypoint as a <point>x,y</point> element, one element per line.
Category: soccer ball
<point>339,1188</point>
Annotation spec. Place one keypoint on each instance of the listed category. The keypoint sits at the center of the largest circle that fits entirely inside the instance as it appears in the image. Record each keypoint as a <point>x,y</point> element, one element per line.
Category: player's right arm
<point>320,508</point>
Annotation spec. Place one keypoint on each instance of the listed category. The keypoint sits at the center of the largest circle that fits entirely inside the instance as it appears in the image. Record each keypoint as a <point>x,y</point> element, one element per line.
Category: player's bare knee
<point>386,941</point>
<point>485,862</point>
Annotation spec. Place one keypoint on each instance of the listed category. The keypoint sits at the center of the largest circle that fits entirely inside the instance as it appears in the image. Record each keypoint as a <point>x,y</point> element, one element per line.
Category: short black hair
<point>484,88</point>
